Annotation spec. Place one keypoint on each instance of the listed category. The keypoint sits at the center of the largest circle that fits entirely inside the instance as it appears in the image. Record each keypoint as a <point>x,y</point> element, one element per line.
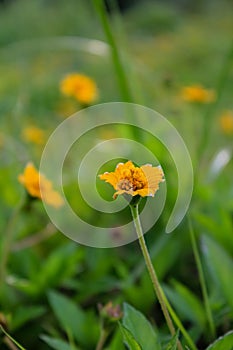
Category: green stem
<point>151,270</point>
<point>12,339</point>
<point>154,278</point>
<point>120,72</point>
<point>103,336</point>
<point>165,305</point>
<point>179,324</point>
<point>7,241</point>
<point>202,279</point>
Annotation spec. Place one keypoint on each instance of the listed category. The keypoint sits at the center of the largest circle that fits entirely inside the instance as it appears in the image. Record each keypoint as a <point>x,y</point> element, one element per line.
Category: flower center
<point>125,185</point>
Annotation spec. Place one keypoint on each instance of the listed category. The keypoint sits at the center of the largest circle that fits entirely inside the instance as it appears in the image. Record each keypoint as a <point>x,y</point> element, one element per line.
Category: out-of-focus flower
<point>110,312</point>
<point>226,122</point>
<point>128,179</point>
<point>79,86</point>
<point>33,134</point>
<point>109,316</point>
<point>196,93</point>
<point>38,186</point>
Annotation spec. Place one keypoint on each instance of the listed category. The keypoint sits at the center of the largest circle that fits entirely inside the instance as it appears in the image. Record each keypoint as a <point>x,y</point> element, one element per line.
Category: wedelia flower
<point>226,122</point>
<point>33,134</point>
<point>38,186</point>
<point>196,93</point>
<point>128,179</point>
<point>79,86</point>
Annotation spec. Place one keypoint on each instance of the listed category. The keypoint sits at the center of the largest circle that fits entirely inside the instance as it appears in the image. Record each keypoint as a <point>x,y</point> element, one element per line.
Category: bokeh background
<point>177,58</point>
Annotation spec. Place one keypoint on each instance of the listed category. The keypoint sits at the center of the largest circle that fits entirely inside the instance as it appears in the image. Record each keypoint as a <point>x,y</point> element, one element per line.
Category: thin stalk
<point>151,270</point>
<point>119,69</point>
<point>179,323</point>
<point>102,339</point>
<point>154,278</point>
<point>7,241</point>
<point>202,279</point>
<point>165,305</point>
<point>12,339</point>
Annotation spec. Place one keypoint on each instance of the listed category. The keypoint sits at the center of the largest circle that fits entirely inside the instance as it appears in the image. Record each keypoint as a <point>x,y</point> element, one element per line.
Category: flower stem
<point>12,339</point>
<point>164,303</point>
<point>103,336</point>
<point>151,270</point>
<point>202,280</point>
<point>7,241</point>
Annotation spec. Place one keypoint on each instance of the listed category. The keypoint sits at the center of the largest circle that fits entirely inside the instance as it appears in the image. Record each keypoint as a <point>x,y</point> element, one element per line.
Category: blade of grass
<point>7,242</point>
<point>221,81</point>
<point>202,280</point>
<point>116,57</point>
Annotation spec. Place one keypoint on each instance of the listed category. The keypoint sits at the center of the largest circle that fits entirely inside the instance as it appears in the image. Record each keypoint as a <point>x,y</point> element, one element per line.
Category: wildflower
<point>196,93</point>
<point>79,86</point>
<point>38,186</point>
<point>226,122</point>
<point>128,179</point>
<point>109,315</point>
<point>34,134</point>
<point>110,312</point>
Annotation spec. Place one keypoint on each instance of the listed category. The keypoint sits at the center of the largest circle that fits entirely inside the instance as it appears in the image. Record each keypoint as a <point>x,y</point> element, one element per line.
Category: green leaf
<point>116,341</point>
<point>129,339</point>
<point>74,320</point>
<point>56,344</point>
<point>220,265</point>
<point>223,343</point>
<point>140,328</point>
<point>24,314</point>
<point>219,222</point>
<point>187,303</point>
<point>60,265</point>
<point>172,345</point>
<point>24,285</point>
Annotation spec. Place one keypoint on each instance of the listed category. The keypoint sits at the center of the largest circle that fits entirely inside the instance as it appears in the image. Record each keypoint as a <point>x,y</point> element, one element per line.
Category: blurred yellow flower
<point>226,122</point>
<point>33,134</point>
<point>196,93</point>
<point>127,178</point>
<point>79,86</point>
<point>38,186</point>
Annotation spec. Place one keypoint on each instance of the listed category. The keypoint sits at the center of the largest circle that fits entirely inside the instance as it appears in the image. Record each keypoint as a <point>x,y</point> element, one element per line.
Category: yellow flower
<point>226,122</point>
<point>127,178</point>
<point>79,86</point>
<point>34,134</point>
<point>196,93</point>
<point>38,186</point>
